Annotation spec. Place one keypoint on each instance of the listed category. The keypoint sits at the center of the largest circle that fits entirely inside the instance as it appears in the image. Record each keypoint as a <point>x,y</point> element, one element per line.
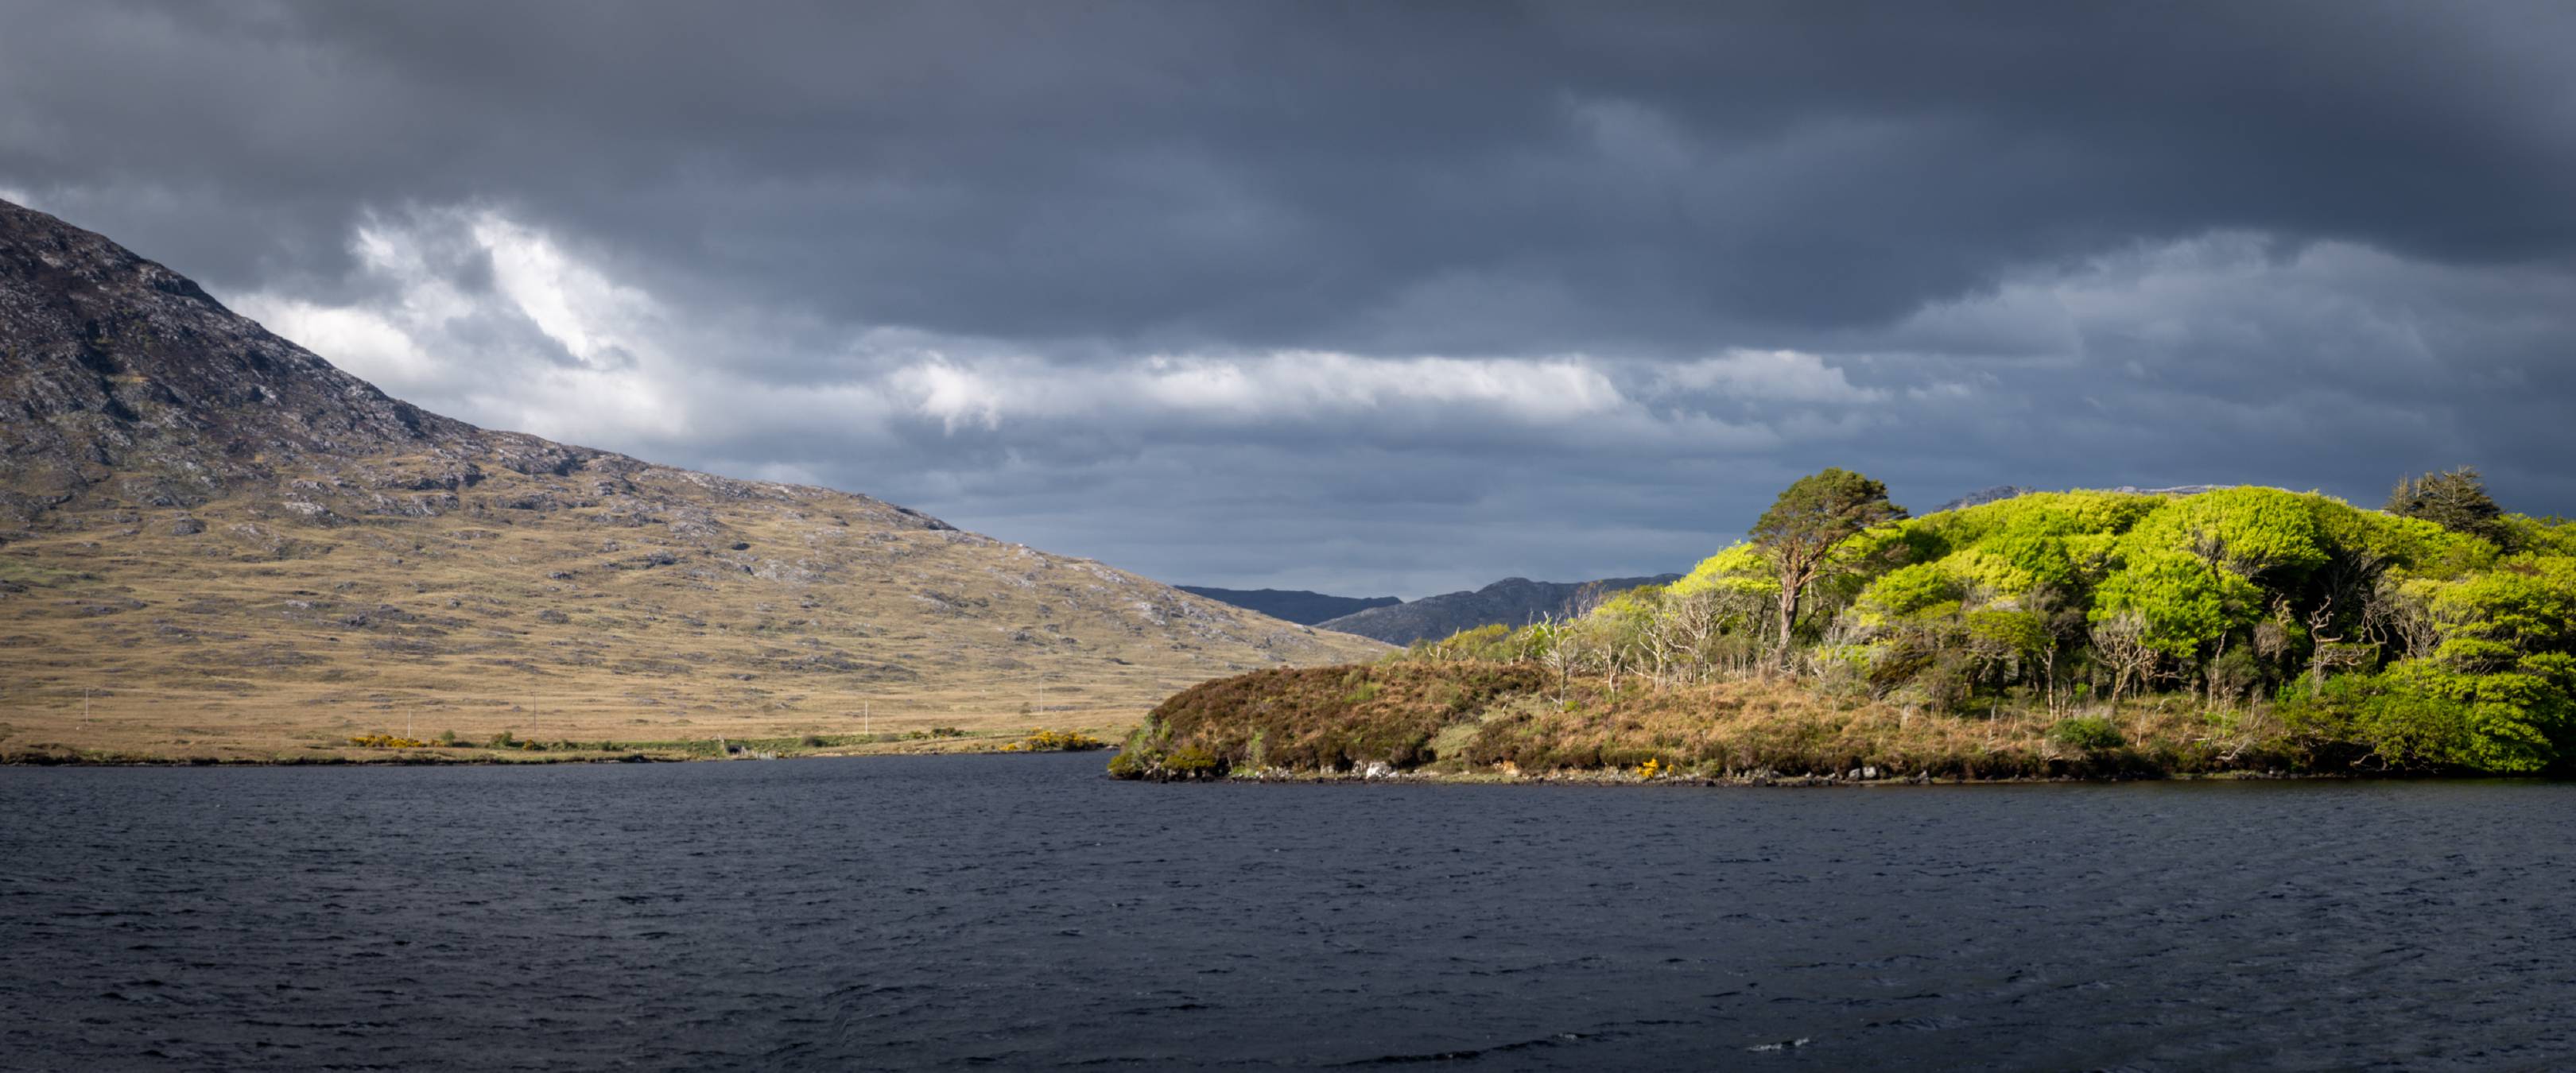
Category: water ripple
<point>947,912</point>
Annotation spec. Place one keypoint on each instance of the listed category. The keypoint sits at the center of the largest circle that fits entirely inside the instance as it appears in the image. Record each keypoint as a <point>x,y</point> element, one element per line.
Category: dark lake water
<point>1024,911</point>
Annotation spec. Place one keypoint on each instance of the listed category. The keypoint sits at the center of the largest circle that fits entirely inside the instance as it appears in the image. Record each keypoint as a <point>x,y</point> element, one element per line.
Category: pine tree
<point>2456,501</point>
<point>1800,530</point>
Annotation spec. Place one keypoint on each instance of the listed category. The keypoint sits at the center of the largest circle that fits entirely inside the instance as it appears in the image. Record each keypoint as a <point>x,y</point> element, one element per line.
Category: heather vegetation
<point>2050,634</point>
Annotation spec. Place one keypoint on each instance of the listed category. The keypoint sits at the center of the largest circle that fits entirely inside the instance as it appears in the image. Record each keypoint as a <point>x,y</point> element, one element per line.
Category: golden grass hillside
<point>670,607</point>
<point>213,544</point>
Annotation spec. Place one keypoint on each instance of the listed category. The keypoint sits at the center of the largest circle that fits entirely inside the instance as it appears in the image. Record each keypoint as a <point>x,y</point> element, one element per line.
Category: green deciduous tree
<point>2184,601</point>
<point>2253,531</point>
<point>1905,590</point>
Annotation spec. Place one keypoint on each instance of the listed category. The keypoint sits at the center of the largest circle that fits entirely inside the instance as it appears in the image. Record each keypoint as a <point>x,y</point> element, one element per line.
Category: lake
<point>1020,911</point>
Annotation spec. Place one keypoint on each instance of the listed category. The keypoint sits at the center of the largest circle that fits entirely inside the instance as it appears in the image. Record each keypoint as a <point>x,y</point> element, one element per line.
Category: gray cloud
<point>1374,297</point>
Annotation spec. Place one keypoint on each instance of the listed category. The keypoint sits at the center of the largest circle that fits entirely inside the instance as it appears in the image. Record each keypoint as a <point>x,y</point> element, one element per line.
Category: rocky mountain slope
<point>212,542</point>
<point>1511,602</point>
<point>1982,496</point>
<point>2002,492</point>
<point>1292,605</point>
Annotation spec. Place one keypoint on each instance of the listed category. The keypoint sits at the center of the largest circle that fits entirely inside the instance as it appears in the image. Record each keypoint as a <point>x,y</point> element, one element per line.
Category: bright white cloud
<point>956,396</point>
<point>474,313</point>
<point>551,346</point>
<point>573,303</point>
<point>355,338</point>
<point>1284,387</point>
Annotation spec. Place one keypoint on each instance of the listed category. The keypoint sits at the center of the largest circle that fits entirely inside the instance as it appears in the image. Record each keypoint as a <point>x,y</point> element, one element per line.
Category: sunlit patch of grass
<point>113,642</point>
<point>388,741</point>
<point>1055,741</point>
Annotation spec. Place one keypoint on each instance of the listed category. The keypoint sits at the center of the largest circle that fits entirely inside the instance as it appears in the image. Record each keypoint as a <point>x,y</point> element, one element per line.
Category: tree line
<point>2438,632</point>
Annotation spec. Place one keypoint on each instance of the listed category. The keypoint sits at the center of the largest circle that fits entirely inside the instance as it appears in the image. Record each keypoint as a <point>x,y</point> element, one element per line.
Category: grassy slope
<point>1467,717</point>
<point>215,544</point>
<point>537,605</point>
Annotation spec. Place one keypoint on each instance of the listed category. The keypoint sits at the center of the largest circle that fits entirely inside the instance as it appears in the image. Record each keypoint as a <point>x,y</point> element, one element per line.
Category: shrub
<point>1494,643</point>
<point>2091,734</point>
<point>1906,590</point>
<point>1055,741</point>
<point>1193,762</point>
<point>2235,672</point>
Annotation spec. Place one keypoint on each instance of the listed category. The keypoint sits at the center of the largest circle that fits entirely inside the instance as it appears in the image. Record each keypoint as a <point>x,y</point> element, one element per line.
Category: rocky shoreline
<point>1864,778</point>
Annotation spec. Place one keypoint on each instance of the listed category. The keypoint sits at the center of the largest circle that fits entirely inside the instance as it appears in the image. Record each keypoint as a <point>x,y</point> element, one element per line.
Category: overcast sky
<point>1375,298</point>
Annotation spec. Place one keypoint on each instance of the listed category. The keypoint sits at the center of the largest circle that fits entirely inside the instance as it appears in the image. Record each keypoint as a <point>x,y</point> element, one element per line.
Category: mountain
<point>1510,602</point>
<point>2002,492</point>
<point>1983,496</point>
<point>212,542</point>
<point>2180,490</point>
<point>1292,605</point>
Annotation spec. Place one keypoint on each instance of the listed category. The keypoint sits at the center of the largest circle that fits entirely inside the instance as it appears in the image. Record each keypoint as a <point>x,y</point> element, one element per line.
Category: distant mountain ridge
<point>2002,492</point>
<point>1510,602</point>
<point>1983,496</point>
<point>1293,605</point>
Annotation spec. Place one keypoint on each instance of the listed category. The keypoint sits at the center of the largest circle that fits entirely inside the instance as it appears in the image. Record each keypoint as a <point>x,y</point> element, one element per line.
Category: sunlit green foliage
<point>2421,547</point>
<point>2378,640</point>
<point>2184,602</point>
<point>2001,634</point>
<point>1041,740</point>
<point>2421,714</point>
<point>2540,536</point>
<point>2251,531</point>
<point>1906,590</point>
<point>2014,562</point>
<point>2525,607</point>
<point>1740,569</point>
<point>2061,514</point>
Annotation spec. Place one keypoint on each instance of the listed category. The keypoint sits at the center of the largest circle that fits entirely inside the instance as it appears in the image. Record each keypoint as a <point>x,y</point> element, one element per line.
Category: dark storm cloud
<point>931,251</point>
<point>1274,175</point>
